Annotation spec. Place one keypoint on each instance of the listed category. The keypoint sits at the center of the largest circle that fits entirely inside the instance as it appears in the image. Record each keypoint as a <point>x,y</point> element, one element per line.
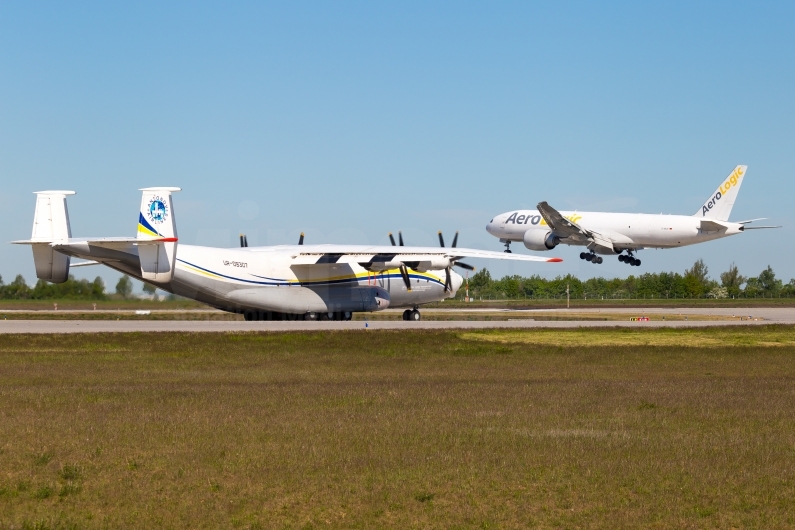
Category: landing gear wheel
<point>250,316</point>
<point>582,255</point>
<point>310,316</point>
<point>508,247</point>
<point>415,316</point>
<point>325,316</point>
<point>347,315</point>
<point>637,262</point>
<point>407,315</point>
<point>589,257</point>
<point>621,258</point>
<point>599,260</point>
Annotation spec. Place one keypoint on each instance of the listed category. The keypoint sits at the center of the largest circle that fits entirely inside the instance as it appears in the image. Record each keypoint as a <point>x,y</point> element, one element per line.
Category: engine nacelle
<point>540,240</point>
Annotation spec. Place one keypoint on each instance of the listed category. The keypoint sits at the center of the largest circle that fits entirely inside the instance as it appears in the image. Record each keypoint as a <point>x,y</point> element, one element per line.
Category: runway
<point>514,320</point>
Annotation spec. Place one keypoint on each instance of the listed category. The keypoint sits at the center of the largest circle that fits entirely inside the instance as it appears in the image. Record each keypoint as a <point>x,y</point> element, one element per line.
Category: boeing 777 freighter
<point>623,233</point>
<point>295,282</point>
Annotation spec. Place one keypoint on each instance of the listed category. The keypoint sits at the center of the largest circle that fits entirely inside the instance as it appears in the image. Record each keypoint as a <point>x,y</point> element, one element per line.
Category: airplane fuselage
<point>628,231</point>
<point>263,279</point>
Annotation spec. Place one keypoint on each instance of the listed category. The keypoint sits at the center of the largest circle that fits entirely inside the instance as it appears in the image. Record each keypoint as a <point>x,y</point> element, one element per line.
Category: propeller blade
<point>455,239</point>
<point>464,266</point>
<point>448,282</point>
<point>441,239</point>
<point>404,272</point>
<point>392,239</point>
<point>301,239</point>
<point>400,238</point>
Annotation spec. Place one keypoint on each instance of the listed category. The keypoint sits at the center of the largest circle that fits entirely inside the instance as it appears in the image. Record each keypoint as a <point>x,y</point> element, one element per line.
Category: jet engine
<point>540,240</point>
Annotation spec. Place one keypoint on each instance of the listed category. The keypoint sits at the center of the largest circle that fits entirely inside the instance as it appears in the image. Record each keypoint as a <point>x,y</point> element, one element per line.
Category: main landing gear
<point>629,259</point>
<point>412,315</point>
<point>590,256</point>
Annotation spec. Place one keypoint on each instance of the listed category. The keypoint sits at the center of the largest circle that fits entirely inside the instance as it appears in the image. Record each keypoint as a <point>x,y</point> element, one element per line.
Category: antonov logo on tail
<point>158,211</point>
<point>733,179</point>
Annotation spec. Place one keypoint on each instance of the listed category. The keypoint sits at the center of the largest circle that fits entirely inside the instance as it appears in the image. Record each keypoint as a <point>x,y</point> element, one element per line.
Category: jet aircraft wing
<point>565,228</point>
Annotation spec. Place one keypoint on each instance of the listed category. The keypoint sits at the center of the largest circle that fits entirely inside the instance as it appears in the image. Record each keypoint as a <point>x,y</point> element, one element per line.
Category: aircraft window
<point>491,221</point>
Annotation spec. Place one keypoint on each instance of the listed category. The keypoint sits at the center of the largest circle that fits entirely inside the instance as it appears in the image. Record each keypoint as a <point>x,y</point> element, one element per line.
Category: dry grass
<point>686,338</point>
<point>398,429</point>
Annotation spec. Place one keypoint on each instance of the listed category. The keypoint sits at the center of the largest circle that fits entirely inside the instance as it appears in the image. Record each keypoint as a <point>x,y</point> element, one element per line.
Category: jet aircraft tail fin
<point>156,223</point>
<point>720,203</point>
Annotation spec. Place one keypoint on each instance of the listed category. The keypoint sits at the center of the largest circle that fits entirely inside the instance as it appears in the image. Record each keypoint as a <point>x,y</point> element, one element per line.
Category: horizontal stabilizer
<point>712,226</point>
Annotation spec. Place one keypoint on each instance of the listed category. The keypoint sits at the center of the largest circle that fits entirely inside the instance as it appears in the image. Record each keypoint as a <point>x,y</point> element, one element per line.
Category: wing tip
<point>554,260</point>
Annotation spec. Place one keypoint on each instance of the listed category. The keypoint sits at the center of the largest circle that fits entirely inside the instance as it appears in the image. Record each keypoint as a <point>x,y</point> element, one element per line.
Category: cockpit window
<point>491,221</point>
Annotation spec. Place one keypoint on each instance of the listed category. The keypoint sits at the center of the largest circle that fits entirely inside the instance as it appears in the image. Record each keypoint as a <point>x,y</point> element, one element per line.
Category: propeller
<point>301,239</point>
<point>404,272</point>
<point>243,240</point>
<point>448,281</point>
<point>400,238</point>
<point>464,266</point>
<point>441,239</point>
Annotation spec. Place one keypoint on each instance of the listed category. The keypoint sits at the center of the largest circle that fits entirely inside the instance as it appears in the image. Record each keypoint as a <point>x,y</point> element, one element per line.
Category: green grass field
<point>486,429</point>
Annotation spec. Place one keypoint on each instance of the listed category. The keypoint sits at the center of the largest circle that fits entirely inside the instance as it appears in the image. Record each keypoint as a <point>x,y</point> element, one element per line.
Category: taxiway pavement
<point>515,320</point>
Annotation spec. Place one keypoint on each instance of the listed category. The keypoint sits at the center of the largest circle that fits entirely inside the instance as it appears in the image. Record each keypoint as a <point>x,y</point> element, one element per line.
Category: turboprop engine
<point>540,240</point>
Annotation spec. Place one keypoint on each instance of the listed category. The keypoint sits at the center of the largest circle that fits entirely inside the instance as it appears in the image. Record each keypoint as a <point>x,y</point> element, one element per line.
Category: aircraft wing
<point>564,228</point>
<point>384,257</point>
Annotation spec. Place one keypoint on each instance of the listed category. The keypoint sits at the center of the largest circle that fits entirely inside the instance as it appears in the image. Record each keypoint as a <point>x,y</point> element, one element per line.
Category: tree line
<point>71,289</point>
<point>693,283</point>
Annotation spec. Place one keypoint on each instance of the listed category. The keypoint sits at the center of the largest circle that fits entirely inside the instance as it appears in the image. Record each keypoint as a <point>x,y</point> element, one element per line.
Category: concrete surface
<point>521,319</point>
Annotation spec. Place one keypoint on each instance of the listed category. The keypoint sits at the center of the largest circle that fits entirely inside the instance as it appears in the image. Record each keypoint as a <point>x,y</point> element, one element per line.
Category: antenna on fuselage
<point>243,241</point>
<point>301,239</point>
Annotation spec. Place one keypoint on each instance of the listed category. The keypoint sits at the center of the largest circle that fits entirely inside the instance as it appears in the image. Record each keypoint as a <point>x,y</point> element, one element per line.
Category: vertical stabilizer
<point>50,224</point>
<point>157,233</point>
<point>720,203</point>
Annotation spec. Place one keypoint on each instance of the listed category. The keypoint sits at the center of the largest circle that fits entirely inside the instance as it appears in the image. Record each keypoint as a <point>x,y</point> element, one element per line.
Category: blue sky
<point>347,120</point>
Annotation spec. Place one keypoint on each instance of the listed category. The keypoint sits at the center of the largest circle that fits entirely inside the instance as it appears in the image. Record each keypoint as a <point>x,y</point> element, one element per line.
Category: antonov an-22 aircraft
<point>298,282</point>
<point>614,233</point>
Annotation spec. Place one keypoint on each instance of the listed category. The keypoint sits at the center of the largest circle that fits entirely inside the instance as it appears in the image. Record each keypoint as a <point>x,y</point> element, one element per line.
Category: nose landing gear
<point>590,256</point>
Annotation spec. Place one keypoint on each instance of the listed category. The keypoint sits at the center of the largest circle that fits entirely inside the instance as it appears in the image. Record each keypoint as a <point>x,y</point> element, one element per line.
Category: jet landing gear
<point>590,256</point>
<point>629,259</point>
<point>507,243</point>
<point>412,315</point>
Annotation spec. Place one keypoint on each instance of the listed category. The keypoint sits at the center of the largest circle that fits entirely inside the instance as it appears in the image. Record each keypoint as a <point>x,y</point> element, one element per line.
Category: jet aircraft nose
<point>488,226</point>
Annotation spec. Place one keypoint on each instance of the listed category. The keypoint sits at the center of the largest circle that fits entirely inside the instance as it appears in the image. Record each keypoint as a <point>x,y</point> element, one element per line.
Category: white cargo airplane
<point>277,282</point>
<point>614,233</point>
